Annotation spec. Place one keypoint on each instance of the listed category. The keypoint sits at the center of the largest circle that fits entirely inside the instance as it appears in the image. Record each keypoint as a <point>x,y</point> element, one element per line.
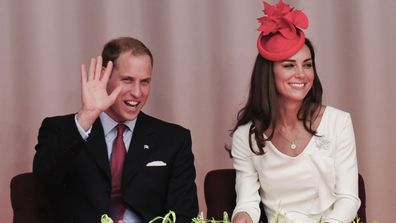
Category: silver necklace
<point>293,144</point>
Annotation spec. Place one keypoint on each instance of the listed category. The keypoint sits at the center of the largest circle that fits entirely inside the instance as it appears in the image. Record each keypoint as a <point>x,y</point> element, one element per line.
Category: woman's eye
<point>288,65</point>
<point>308,65</point>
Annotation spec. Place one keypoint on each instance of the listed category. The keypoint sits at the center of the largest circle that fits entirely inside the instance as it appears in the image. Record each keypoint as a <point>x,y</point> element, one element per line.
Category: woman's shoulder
<point>243,129</point>
<point>333,112</point>
<point>334,117</point>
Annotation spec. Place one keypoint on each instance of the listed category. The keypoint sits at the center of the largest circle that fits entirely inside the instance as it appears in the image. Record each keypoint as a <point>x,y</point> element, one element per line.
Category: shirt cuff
<point>84,134</point>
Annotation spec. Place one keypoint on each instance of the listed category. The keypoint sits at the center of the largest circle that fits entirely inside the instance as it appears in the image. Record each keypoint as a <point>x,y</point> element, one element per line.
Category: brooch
<point>322,142</point>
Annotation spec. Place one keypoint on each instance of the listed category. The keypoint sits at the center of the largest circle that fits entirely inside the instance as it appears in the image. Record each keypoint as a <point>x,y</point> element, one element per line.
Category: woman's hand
<point>242,217</point>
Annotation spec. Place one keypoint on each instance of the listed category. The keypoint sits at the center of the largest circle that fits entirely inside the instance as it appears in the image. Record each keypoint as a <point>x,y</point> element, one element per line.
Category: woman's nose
<point>300,71</point>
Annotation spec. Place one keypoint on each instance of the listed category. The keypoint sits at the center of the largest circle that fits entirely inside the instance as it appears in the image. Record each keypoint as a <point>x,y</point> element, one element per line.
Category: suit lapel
<point>142,144</point>
<point>96,146</point>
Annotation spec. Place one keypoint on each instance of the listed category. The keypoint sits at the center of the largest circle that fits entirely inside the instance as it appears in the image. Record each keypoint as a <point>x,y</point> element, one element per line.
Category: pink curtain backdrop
<point>204,52</point>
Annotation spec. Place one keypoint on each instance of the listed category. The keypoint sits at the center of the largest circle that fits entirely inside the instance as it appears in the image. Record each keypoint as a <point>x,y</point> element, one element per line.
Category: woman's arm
<point>247,182</point>
<point>346,186</point>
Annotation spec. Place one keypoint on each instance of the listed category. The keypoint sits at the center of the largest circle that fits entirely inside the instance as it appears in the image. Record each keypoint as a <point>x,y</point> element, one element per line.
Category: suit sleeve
<point>182,192</point>
<point>58,143</point>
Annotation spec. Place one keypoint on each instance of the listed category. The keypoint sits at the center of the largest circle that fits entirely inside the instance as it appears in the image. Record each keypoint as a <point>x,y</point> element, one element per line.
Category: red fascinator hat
<point>281,34</point>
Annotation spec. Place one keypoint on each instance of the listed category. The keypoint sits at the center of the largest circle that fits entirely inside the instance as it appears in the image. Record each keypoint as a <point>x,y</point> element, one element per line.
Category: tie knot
<point>120,129</point>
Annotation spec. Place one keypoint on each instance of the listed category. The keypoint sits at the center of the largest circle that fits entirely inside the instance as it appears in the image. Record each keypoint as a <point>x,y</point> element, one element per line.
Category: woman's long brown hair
<point>262,105</point>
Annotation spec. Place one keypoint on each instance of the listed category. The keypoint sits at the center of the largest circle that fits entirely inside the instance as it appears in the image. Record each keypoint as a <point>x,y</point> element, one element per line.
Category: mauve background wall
<point>204,52</point>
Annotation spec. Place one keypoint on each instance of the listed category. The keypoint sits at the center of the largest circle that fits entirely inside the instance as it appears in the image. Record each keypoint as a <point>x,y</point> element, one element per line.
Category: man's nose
<point>135,90</point>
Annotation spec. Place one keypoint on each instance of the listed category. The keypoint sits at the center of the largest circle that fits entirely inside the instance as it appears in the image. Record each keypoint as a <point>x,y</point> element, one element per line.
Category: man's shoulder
<point>160,124</point>
<point>59,120</point>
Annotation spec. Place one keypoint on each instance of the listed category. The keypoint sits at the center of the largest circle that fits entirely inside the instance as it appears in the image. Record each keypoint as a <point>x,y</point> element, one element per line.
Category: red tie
<point>117,205</point>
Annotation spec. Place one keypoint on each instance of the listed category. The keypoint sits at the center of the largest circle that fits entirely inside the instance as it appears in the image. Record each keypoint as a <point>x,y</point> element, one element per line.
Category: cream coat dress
<point>320,183</point>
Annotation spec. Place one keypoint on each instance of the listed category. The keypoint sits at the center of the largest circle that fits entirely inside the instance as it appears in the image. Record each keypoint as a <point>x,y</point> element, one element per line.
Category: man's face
<point>133,74</point>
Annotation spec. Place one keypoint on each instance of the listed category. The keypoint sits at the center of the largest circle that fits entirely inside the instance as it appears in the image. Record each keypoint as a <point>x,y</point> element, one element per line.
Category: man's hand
<point>95,98</point>
<point>242,217</point>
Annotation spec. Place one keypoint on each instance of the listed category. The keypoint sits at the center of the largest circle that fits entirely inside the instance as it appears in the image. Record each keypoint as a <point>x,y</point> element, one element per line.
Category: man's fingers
<point>115,93</point>
<point>107,71</point>
<point>83,71</point>
<point>91,71</point>
<point>98,68</point>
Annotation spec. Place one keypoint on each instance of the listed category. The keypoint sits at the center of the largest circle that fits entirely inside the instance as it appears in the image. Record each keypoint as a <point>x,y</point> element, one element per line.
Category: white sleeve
<point>84,134</point>
<point>346,188</point>
<point>247,184</point>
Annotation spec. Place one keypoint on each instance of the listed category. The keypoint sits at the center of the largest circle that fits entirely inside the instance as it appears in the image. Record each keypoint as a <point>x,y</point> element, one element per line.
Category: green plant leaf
<point>105,219</point>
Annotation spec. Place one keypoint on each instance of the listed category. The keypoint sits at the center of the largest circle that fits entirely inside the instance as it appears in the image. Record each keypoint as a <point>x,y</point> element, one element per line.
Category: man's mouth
<point>132,104</point>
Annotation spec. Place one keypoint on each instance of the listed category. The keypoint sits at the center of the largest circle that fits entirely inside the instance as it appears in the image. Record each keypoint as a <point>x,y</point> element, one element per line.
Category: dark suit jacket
<point>79,171</point>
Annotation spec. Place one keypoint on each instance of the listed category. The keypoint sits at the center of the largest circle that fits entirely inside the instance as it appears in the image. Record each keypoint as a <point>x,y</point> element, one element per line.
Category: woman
<point>290,152</point>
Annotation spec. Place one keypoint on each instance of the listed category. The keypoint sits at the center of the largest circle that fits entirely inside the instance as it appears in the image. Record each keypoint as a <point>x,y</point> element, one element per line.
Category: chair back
<point>30,200</point>
<point>220,195</point>
<point>362,195</point>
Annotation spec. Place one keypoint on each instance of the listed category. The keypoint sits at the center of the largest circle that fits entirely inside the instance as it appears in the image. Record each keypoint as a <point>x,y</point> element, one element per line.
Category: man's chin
<point>130,117</point>
<point>123,116</point>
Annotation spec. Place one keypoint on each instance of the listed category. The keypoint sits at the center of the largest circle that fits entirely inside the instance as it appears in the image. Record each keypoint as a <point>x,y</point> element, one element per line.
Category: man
<point>111,158</point>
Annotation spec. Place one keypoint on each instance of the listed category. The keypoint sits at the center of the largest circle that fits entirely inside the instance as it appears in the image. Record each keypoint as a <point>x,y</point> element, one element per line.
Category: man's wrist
<point>83,133</point>
<point>86,118</point>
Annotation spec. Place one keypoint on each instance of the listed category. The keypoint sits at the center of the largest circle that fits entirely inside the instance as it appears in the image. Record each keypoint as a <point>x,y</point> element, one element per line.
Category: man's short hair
<point>114,48</point>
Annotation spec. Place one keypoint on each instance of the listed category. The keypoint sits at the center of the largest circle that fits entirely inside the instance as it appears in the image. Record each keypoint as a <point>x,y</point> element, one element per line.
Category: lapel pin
<point>146,147</point>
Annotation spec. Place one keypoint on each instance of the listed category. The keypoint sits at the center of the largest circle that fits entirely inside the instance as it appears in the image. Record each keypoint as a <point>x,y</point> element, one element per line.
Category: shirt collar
<point>109,124</point>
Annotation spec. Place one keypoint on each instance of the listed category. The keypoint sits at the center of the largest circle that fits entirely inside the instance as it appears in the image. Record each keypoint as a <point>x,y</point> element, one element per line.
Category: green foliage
<point>170,217</point>
<point>201,219</point>
<point>277,219</point>
<point>105,219</point>
<point>357,220</point>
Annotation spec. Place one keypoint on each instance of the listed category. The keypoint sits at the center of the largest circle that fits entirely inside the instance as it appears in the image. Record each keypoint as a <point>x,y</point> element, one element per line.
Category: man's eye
<point>146,82</point>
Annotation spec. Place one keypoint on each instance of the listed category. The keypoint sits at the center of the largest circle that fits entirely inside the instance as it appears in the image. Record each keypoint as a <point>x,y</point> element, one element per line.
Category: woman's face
<point>294,76</point>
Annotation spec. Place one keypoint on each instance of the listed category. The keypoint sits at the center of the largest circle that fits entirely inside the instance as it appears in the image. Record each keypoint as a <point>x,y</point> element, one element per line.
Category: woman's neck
<point>288,114</point>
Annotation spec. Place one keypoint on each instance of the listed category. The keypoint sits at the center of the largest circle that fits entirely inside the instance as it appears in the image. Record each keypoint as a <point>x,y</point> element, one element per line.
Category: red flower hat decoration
<point>281,34</point>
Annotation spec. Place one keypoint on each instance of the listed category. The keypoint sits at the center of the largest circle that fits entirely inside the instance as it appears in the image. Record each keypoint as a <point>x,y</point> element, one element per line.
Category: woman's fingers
<point>242,217</point>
